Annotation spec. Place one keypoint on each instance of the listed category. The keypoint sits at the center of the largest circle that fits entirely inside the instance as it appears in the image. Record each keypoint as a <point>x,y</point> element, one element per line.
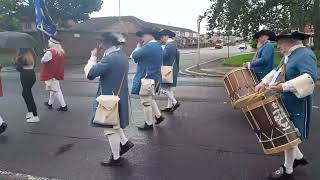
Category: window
<point>28,26</point>
<point>195,35</point>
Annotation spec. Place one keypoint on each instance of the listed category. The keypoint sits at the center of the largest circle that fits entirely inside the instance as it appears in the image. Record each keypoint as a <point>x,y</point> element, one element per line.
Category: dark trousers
<point>28,78</point>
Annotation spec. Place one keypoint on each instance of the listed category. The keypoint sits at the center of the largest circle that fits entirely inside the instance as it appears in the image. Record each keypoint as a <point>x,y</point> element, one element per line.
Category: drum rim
<point>234,70</point>
<point>282,148</point>
<point>259,103</point>
<point>242,99</point>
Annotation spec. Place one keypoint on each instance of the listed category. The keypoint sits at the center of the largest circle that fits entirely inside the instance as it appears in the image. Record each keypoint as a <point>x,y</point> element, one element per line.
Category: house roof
<point>100,23</point>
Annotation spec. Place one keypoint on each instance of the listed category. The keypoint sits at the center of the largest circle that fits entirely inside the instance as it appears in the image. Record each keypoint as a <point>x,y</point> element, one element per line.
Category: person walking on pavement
<point>149,59</point>
<point>295,81</point>
<point>113,72</point>
<point>263,62</point>
<point>170,58</point>
<point>53,72</point>
<point>3,125</point>
<point>25,63</point>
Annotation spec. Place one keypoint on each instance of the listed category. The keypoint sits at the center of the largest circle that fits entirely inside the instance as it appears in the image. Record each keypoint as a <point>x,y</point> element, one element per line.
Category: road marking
<point>23,176</point>
<point>316,107</point>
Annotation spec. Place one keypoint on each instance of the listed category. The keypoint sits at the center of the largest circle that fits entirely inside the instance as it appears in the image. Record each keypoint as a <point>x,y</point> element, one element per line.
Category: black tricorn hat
<point>166,32</point>
<point>291,35</point>
<point>114,38</point>
<point>149,31</point>
<point>264,32</point>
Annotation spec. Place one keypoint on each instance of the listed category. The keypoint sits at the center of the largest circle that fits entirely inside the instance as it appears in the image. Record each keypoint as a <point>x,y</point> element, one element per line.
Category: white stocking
<point>114,141</point>
<point>155,108</point>
<point>123,137</point>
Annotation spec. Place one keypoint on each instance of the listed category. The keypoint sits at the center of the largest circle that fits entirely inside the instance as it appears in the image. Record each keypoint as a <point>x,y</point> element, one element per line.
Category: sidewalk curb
<point>188,70</point>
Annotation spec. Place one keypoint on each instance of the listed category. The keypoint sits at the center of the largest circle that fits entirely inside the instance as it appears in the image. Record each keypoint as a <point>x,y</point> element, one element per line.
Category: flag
<point>43,19</point>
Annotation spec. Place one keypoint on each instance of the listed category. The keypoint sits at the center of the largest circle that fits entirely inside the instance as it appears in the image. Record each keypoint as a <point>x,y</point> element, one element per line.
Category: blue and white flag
<point>43,20</point>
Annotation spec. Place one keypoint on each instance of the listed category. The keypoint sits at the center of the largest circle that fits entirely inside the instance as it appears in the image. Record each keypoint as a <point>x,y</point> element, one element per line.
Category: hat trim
<point>54,41</point>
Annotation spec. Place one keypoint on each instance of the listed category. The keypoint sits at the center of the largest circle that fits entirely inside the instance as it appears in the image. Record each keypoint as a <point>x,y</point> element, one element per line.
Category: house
<point>309,29</point>
<point>79,39</point>
<point>130,25</point>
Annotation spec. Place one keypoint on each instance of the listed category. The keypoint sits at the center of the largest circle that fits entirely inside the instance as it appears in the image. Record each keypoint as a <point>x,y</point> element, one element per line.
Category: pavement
<point>204,139</point>
<point>214,67</point>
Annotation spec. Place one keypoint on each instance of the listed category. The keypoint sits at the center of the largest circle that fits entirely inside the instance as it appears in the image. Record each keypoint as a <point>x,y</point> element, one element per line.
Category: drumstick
<point>257,94</point>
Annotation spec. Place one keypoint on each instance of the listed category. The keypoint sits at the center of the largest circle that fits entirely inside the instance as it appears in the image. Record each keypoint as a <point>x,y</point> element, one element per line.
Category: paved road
<point>205,139</point>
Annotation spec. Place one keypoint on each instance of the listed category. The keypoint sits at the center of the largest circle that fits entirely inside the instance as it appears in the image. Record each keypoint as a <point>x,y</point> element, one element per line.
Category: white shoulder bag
<point>107,112</point>
<point>167,73</point>
<point>147,87</point>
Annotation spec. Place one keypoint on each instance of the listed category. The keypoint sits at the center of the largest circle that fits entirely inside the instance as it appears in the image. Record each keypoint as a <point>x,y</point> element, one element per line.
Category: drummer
<point>263,62</point>
<point>296,89</point>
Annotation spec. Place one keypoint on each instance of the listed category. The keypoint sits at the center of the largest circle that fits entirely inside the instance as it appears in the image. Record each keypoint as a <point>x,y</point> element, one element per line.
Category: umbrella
<point>10,39</point>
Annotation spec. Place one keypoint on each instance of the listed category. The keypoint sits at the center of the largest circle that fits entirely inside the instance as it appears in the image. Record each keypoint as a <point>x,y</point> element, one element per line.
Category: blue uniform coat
<point>301,61</point>
<point>149,60</point>
<point>111,70</point>
<point>264,61</point>
<point>171,57</point>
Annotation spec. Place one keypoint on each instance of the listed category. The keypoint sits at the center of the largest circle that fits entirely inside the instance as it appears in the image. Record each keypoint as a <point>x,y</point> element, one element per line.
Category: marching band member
<point>3,125</point>
<point>113,72</point>
<point>298,75</point>
<point>170,58</point>
<point>263,61</point>
<point>53,72</point>
<point>149,59</point>
<point>25,63</point>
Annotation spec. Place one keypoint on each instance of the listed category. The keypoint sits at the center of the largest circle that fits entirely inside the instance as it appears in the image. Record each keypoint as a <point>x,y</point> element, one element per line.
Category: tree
<point>8,9</point>
<point>60,10</point>
<point>246,16</point>
<point>316,23</point>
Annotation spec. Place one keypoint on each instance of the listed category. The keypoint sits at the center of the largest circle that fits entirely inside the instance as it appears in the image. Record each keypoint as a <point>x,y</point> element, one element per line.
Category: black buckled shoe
<point>281,174</point>
<point>48,105</point>
<point>63,109</point>
<point>300,162</point>
<point>167,109</point>
<point>111,162</point>
<point>125,148</point>
<point>175,107</point>
<point>159,120</point>
<point>146,127</point>
<point>3,127</point>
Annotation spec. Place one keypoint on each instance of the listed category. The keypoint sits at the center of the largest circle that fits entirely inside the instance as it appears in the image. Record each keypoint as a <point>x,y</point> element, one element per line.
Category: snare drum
<point>270,121</point>
<point>240,84</point>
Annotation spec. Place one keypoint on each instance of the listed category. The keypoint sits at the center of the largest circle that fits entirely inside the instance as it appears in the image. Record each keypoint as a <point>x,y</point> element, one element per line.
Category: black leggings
<point>28,78</point>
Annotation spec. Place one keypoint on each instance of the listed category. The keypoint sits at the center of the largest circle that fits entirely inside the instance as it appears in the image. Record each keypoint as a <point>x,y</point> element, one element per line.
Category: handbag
<point>167,73</point>
<point>107,112</point>
<point>147,87</point>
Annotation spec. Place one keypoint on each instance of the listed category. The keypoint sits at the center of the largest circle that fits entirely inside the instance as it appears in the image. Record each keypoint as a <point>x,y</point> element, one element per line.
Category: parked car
<point>242,46</point>
<point>218,46</point>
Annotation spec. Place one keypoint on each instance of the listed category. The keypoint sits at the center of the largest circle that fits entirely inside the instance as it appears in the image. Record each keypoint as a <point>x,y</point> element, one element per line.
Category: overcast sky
<point>181,13</point>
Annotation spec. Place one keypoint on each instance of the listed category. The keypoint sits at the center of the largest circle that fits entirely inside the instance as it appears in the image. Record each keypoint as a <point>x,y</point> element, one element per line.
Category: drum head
<point>246,101</point>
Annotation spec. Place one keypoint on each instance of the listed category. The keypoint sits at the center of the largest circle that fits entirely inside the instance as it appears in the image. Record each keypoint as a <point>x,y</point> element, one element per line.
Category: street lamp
<point>198,24</point>
<point>119,8</point>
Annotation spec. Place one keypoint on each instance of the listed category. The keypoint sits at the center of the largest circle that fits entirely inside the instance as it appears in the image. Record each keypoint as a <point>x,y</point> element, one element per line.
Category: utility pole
<point>198,23</point>
<point>119,8</point>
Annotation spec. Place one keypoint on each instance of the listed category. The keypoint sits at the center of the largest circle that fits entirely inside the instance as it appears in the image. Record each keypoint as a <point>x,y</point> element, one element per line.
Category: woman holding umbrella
<point>25,63</point>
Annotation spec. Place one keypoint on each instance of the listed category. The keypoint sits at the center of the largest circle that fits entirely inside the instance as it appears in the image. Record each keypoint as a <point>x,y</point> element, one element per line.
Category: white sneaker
<point>29,115</point>
<point>34,119</point>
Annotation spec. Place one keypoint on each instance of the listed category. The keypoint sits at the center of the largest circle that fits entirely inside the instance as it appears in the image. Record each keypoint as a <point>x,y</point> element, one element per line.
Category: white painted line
<point>316,107</point>
<point>23,176</point>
